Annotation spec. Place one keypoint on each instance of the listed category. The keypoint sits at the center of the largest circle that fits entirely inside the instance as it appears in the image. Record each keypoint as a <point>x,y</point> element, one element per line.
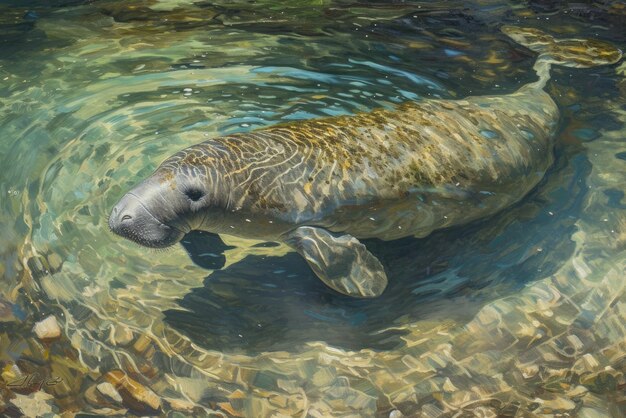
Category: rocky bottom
<point>556,348</point>
<point>82,329</point>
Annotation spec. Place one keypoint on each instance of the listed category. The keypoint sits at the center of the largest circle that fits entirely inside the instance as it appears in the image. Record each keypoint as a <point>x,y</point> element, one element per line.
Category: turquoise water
<point>94,95</point>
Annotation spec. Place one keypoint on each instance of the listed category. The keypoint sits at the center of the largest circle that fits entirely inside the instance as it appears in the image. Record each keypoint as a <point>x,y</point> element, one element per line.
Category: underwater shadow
<point>265,303</point>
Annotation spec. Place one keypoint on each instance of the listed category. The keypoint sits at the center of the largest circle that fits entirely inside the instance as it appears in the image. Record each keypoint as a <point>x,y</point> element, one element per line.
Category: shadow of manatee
<point>206,250</point>
<point>277,303</point>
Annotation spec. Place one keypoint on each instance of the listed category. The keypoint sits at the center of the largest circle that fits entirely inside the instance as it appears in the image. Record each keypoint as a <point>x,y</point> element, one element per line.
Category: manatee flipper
<point>341,262</point>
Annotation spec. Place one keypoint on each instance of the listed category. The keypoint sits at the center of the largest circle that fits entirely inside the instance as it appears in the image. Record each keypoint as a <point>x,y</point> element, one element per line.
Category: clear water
<point>93,95</point>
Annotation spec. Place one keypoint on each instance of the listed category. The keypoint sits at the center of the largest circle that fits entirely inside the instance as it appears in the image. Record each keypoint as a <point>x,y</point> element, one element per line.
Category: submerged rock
<point>93,397</point>
<point>601,382</point>
<point>55,262</point>
<point>48,329</point>
<point>121,335</point>
<point>557,405</point>
<point>181,405</point>
<point>135,396</point>
<point>37,404</point>
<point>108,391</point>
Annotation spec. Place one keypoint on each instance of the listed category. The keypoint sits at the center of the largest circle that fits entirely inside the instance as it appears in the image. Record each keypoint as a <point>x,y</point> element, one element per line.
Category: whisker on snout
<point>161,250</point>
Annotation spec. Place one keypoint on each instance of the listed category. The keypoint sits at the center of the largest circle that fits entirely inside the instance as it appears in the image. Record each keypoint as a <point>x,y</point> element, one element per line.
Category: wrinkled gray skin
<point>321,185</point>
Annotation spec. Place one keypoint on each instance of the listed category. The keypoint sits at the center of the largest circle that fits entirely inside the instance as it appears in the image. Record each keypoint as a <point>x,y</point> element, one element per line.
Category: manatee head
<point>160,210</point>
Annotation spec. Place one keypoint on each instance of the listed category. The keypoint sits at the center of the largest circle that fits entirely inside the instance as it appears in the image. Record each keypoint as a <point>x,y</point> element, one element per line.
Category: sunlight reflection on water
<point>96,95</point>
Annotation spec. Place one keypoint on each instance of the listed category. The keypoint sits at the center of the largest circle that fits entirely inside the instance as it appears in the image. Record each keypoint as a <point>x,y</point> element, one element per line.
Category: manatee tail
<point>577,53</point>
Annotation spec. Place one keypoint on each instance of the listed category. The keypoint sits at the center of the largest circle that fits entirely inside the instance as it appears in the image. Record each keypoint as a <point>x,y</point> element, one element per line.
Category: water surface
<point>94,95</point>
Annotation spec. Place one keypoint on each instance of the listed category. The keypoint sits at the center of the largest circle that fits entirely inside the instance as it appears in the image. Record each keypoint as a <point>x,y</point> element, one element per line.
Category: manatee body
<point>321,185</point>
<point>386,174</point>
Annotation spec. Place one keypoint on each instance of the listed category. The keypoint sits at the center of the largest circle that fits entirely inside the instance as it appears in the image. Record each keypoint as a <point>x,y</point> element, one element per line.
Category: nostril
<point>126,218</point>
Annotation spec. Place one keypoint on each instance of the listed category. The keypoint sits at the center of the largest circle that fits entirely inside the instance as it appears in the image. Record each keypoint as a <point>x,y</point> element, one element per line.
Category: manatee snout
<point>159,211</point>
<point>131,219</point>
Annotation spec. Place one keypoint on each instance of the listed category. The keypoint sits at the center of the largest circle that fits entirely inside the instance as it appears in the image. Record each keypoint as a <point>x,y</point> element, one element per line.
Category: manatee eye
<point>194,194</point>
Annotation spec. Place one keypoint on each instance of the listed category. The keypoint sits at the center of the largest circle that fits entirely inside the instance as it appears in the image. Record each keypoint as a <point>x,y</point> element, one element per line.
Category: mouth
<point>168,236</point>
<point>132,220</point>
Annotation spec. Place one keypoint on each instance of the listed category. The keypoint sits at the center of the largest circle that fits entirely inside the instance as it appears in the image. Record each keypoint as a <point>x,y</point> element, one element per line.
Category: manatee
<point>322,185</point>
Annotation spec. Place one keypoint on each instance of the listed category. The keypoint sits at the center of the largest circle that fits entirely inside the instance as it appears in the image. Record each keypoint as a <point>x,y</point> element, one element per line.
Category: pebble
<point>48,329</point>
<point>323,377</point>
<point>180,405</point>
<point>588,363</point>
<point>556,405</point>
<point>601,382</point>
<point>55,262</point>
<point>577,392</point>
<point>142,343</point>
<point>107,390</point>
<point>228,408</point>
<point>122,335</point>
<point>529,371</point>
<point>93,397</point>
<point>37,404</point>
<point>135,396</point>
<point>448,386</point>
